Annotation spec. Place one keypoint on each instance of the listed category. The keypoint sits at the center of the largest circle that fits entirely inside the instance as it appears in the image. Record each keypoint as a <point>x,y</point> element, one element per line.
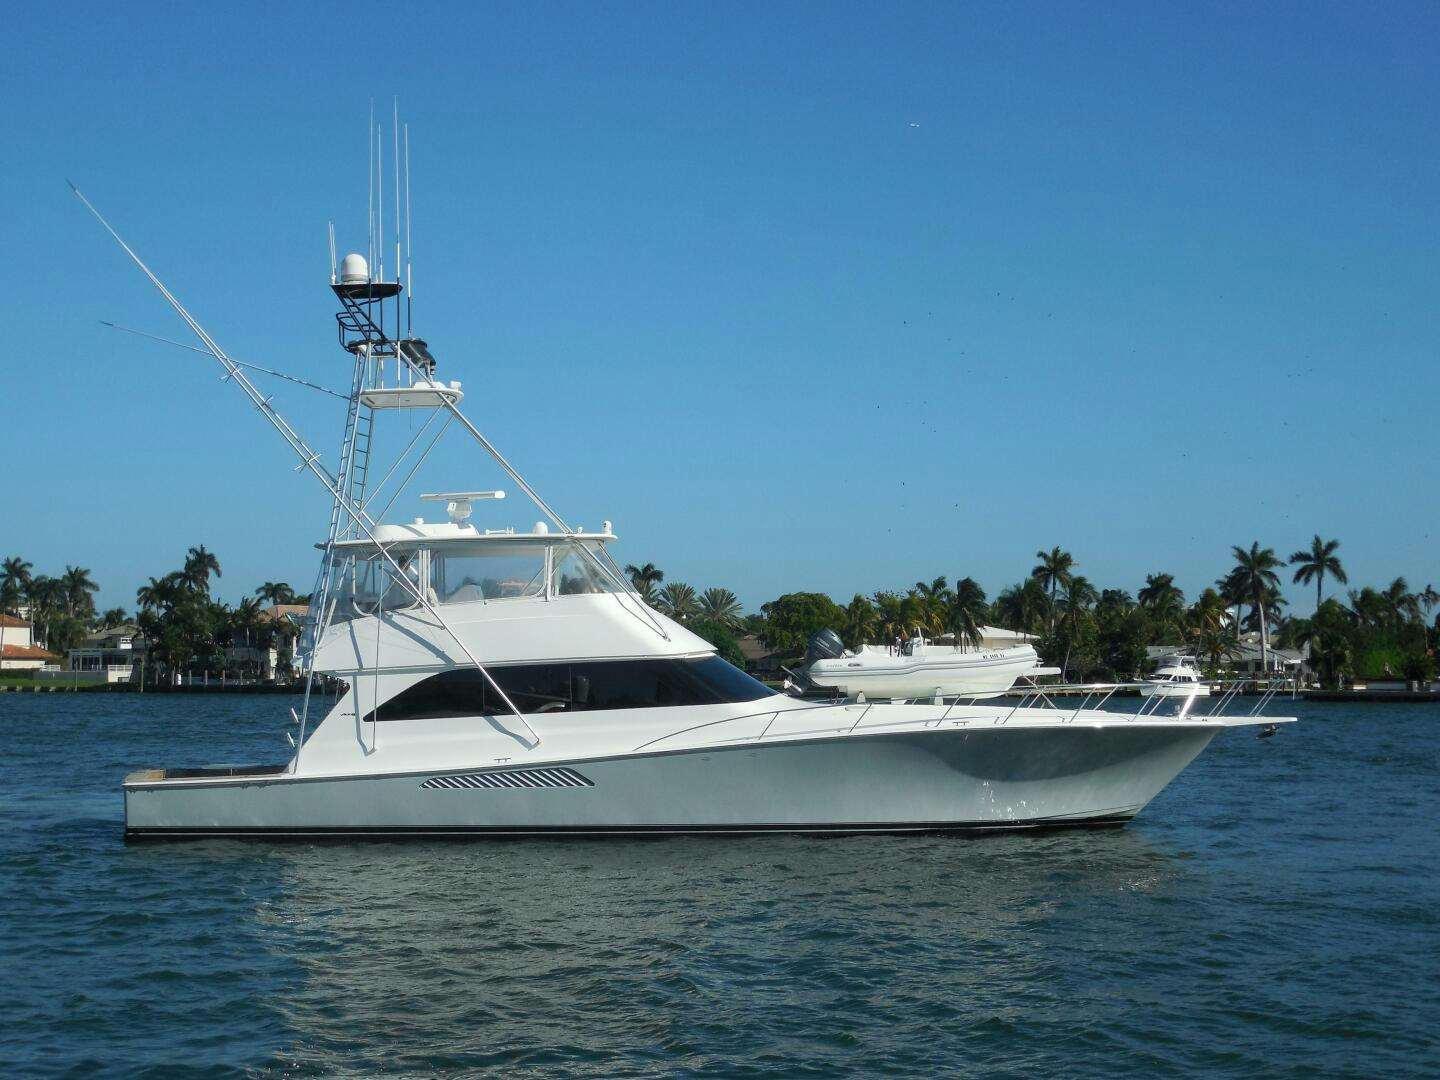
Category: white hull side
<point>929,780</point>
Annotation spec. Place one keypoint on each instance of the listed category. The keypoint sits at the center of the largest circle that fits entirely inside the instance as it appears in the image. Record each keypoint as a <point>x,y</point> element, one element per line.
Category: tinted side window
<point>453,693</point>
<point>578,687</point>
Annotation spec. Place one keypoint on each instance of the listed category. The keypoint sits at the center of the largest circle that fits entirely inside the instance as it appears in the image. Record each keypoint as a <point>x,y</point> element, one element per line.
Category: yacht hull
<point>953,780</point>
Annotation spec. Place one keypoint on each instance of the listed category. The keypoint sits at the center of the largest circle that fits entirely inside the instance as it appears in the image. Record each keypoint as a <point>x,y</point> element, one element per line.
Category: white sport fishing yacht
<point>504,680</point>
<point>917,669</point>
<point>1175,676</point>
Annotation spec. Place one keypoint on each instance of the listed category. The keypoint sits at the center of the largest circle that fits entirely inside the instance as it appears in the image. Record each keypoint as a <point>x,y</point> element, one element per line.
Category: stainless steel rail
<point>1032,697</point>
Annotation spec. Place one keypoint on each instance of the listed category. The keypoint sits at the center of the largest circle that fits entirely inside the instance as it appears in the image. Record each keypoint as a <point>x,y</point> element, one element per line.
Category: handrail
<point>747,716</point>
<point>1104,691</point>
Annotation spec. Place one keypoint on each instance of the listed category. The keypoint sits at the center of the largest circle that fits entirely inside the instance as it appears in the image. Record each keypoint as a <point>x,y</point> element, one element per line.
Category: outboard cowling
<point>826,645</point>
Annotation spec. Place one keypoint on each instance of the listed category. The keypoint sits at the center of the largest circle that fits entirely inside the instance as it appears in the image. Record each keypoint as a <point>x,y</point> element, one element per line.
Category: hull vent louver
<point>512,778</point>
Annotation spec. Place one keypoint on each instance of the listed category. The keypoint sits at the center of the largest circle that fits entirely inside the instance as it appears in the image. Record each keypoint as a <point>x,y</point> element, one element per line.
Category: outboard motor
<point>826,645</point>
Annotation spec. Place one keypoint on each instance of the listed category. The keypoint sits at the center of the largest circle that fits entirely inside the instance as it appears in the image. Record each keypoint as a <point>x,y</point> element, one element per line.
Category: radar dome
<point>353,270</point>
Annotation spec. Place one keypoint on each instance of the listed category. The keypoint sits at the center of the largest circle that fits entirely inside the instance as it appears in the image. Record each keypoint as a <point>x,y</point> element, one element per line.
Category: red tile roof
<point>27,652</point>
<point>11,620</point>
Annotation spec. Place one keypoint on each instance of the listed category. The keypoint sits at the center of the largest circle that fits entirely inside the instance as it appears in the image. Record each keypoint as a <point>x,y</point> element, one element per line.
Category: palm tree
<point>1316,563</point>
<point>1080,597</point>
<point>965,616</point>
<point>860,622</point>
<point>1163,600</point>
<point>936,590</point>
<point>1368,607</point>
<point>276,592</point>
<point>14,580</point>
<point>199,565</point>
<point>246,619</point>
<point>721,606</point>
<point>645,578</point>
<point>678,601</point>
<point>153,594</point>
<point>14,577</point>
<point>1053,572</point>
<point>114,616</point>
<point>78,587</point>
<point>1427,598</point>
<point>1232,591</point>
<point>932,602</point>
<point>1161,596</point>
<point>1114,602</point>
<point>1023,607</point>
<point>1209,613</point>
<point>1401,604</point>
<point>47,598</point>
<point>1215,646</point>
<point>1255,578</point>
<point>892,615</point>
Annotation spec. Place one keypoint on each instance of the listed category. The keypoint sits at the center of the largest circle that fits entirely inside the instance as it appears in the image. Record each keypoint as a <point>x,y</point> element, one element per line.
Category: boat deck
<point>143,776</point>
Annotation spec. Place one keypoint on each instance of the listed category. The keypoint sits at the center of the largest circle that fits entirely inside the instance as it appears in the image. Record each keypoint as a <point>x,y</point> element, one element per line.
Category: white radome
<point>353,270</point>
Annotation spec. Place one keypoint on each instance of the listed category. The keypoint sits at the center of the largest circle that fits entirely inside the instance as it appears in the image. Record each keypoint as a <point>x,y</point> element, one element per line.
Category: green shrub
<point>1418,667</point>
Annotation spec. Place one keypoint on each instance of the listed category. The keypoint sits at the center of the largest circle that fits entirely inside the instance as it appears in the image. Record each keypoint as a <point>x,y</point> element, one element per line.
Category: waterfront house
<point>112,655</point>
<point>994,637</point>
<point>264,658</point>
<point>760,660</point>
<point>18,651</point>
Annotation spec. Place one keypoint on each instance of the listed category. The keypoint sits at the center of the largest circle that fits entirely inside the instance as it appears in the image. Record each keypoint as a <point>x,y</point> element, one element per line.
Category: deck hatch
<point>512,778</point>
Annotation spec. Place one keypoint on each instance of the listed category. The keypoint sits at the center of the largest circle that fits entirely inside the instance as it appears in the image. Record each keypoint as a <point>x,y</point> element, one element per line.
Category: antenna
<point>395,134</point>
<point>380,196</point>
<point>370,251</point>
<point>409,248</point>
<point>334,278</point>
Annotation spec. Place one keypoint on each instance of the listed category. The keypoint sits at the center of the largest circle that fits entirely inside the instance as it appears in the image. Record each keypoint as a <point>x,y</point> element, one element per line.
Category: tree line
<point>1102,633</point>
<point>185,628</point>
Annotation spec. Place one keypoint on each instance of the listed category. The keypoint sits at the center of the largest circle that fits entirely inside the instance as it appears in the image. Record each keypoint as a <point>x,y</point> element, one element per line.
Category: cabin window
<point>584,686</point>
<point>494,570</point>
<point>363,585</point>
<point>574,573</point>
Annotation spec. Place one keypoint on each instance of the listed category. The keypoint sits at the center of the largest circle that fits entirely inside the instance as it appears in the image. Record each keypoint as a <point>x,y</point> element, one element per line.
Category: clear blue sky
<point>814,296</point>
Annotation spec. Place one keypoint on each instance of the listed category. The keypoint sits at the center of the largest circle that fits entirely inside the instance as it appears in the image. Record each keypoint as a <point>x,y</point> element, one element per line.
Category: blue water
<point>1276,911</point>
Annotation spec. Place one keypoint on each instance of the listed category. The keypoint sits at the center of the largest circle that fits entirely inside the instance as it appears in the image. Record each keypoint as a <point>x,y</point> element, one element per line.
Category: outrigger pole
<point>309,459</point>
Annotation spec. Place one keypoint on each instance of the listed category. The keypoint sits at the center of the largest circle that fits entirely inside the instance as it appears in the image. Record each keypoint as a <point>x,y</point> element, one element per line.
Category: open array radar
<point>506,679</point>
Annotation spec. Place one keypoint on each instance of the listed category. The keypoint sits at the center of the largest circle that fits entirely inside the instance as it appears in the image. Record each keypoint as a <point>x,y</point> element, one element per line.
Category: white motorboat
<point>1175,676</point>
<point>502,680</point>
<point>918,669</point>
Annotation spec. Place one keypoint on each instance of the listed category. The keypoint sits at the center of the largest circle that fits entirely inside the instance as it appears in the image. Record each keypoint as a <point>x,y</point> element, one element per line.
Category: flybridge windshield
<point>465,573</point>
